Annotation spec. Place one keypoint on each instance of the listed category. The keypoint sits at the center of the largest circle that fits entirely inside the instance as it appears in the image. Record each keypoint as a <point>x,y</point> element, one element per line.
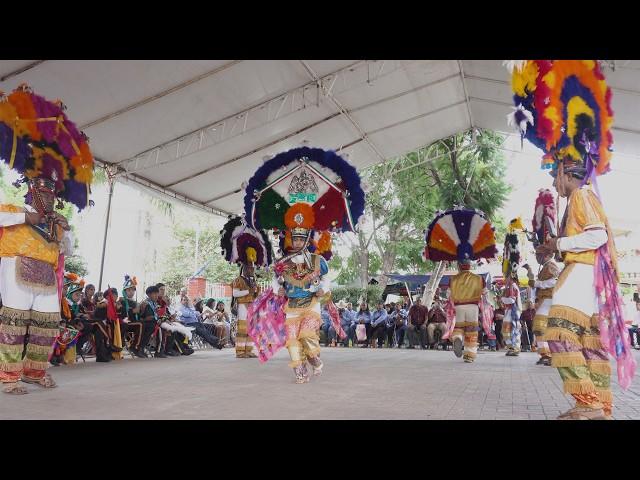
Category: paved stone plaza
<point>356,384</point>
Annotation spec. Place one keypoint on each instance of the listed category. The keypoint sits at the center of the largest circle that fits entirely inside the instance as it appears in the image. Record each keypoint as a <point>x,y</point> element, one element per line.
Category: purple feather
<point>75,193</point>
<point>45,109</point>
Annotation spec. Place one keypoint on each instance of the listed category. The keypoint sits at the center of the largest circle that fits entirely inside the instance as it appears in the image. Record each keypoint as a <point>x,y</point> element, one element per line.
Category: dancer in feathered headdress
<point>38,141</point>
<point>464,236</point>
<point>511,327</point>
<point>586,319</point>
<point>544,220</point>
<point>311,193</point>
<point>249,248</point>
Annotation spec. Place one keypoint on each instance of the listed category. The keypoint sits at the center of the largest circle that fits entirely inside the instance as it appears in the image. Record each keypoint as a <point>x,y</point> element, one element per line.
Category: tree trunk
<point>432,284</point>
<point>363,260</point>
<point>388,253</point>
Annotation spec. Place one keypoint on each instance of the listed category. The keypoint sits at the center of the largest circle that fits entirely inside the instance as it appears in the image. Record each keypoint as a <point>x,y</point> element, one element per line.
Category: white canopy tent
<point>195,130</point>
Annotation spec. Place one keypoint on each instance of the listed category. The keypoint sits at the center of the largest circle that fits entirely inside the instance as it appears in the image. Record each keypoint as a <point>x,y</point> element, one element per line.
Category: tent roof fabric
<point>195,130</point>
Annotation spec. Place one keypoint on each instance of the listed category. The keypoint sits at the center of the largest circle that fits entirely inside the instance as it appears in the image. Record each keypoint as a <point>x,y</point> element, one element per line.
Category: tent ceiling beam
<point>254,117</point>
<point>159,95</point>
<point>466,93</point>
<point>21,70</point>
<point>343,111</point>
<point>339,149</point>
<point>330,117</point>
<point>159,189</point>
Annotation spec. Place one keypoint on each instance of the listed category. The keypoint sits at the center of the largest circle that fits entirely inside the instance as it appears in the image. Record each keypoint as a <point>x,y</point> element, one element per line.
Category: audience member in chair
<point>188,317</point>
<point>363,317</point>
<point>436,323</point>
<point>378,325</point>
<point>417,324</point>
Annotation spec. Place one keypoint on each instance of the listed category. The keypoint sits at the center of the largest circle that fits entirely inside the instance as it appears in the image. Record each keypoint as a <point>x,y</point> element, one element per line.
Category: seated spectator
<point>88,303</point>
<point>99,296</point>
<point>378,325</point>
<point>327,328</point>
<point>175,336</point>
<point>437,320</point>
<point>348,322</point>
<point>150,320</point>
<point>417,324</point>
<point>219,319</point>
<point>187,315</point>
<point>102,330</point>
<point>397,325</point>
<point>199,306</point>
<point>363,317</point>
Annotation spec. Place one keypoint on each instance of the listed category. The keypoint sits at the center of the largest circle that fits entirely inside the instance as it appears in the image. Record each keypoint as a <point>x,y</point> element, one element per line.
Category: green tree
<point>179,262</point>
<point>404,193</point>
<point>76,264</point>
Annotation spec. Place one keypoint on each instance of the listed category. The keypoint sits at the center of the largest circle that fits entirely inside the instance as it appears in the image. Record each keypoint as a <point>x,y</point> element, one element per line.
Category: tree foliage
<point>373,293</point>
<point>179,262</point>
<point>404,194</point>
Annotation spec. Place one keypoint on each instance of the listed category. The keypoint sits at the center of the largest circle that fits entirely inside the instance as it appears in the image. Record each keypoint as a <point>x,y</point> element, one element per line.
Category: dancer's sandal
<point>46,382</point>
<point>583,413</point>
<point>15,389</point>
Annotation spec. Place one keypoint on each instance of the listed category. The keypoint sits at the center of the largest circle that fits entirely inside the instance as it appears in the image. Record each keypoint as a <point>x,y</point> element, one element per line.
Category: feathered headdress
<point>569,105</point>
<point>242,244</point>
<point>39,141</point>
<point>70,277</point>
<point>544,218</point>
<point>129,282</point>
<point>75,287</point>
<point>304,190</point>
<point>460,235</point>
<point>511,251</point>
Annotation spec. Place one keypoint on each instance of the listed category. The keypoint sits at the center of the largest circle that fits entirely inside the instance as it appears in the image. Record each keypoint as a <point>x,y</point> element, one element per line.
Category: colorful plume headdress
<point>129,282</point>
<point>305,190</point>
<point>511,251</point>
<point>566,105</point>
<point>544,217</point>
<point>458,235</point>
<point>39,141</point>
<point>242,244</point>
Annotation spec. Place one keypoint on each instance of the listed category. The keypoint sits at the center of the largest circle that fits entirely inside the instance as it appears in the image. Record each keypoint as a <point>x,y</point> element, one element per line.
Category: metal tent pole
<point>111,180</point>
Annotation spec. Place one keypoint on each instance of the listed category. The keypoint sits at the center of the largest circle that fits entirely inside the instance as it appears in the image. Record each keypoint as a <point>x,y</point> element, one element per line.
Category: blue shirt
<point>187,315</point>
<point>348,318</point>
<point>379,317</point>
<point>366,316</point>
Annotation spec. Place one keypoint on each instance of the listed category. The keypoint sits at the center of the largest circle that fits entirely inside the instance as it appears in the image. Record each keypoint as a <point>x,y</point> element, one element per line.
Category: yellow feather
<point>550,79</point>
<point>523,81</point>
<point>591,64</point>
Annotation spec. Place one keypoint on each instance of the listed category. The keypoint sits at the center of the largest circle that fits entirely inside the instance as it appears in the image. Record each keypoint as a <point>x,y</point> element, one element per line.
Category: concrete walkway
<point>356,384</point>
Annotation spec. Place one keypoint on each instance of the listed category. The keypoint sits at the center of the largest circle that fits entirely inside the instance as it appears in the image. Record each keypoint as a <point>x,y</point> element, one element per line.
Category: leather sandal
<point>583,413</point>
<point>46,382</point>
<point>15,388</point>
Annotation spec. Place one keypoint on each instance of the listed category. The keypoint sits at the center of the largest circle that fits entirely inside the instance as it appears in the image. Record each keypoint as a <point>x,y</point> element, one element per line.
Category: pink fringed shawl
<point>613,331</point>
<point>266,324</point>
